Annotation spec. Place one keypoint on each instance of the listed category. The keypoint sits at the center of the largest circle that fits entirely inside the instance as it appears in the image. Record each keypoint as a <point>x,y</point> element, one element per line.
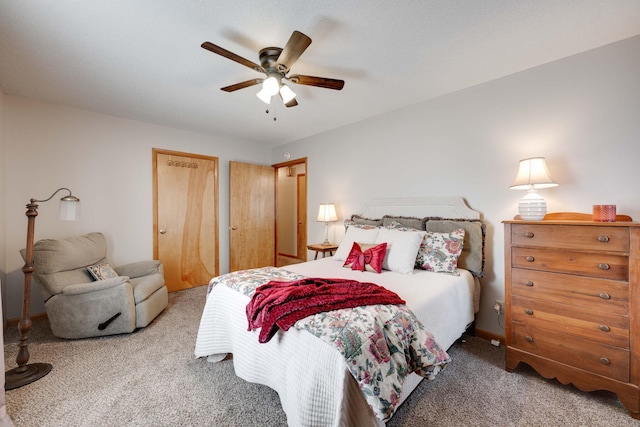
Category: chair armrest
<point>98,285</point>
<point>139,269</point>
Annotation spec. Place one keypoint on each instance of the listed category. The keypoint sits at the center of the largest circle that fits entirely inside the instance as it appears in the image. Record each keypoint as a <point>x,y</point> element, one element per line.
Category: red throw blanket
<point>281,304</point>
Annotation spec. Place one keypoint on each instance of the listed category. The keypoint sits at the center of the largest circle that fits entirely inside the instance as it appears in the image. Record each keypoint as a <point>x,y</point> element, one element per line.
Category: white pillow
<point>402,249</point>
<point>355,234</point>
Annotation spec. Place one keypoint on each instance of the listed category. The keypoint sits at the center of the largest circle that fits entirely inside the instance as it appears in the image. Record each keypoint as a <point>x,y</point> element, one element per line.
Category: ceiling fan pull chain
<point>274,114</point>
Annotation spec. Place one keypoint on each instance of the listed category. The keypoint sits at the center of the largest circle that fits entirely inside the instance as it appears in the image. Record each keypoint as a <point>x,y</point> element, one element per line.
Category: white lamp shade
<point>327,213</point>
<point>271,86</point>
<point>264,96</point>
<point>69,209</point>
<point>286,93</point>
<point>532,174</point>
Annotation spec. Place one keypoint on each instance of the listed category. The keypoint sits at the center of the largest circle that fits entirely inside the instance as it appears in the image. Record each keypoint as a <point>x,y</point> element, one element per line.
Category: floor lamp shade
<point>327,214</point>
<point>532,175</point>
<point>69,208</point>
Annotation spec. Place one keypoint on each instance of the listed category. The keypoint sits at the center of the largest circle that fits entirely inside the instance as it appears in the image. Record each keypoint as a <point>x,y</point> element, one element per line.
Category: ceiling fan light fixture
<point>287,94</point>
<point>271,85</point>
<point>264,96</point>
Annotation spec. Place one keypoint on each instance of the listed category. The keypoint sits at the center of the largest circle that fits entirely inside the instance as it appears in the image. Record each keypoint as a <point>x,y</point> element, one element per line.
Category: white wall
<point>582,113</point>
<point>107,163</point>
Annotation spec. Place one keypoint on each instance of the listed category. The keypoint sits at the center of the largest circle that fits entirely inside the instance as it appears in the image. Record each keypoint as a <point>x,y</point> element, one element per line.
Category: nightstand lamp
<point>532,175</point>
<point>327,214</point>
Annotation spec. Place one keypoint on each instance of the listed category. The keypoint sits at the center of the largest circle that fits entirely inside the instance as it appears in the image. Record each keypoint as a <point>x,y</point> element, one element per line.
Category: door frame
<point>300,161</point>
<point>301,238</point>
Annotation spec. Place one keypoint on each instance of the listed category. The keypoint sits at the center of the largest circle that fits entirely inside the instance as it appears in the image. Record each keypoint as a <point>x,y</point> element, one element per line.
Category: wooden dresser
<point>572,303</point>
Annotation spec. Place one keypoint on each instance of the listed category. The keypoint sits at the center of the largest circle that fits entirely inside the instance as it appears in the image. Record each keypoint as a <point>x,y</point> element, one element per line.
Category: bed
<point>314,381</point>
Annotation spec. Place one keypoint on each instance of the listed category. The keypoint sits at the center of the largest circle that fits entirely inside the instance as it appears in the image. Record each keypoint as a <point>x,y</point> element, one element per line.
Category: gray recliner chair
<point>78,305</point>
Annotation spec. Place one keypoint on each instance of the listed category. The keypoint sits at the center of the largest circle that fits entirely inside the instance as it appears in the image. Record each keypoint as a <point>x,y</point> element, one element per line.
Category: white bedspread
<point>311,378</point>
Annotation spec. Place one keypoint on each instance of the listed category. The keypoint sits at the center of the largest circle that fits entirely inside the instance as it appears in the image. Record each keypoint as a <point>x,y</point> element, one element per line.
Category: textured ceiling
<point>141,59</point>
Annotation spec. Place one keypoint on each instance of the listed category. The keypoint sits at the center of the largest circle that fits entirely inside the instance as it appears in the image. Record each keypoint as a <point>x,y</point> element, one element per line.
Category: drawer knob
<point>603,266</point>
<point>529,258</point>
<point>605,328</point>
<point>528,311</point>
<point>528,283</point>
<point>604,361</point>
<point>604,295</point>
<point>603,239</point>
<point>529,338</point>
<point>528,234</point>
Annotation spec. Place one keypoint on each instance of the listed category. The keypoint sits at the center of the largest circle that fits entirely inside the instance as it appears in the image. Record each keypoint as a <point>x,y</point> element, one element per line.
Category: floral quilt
<point>381,344</point>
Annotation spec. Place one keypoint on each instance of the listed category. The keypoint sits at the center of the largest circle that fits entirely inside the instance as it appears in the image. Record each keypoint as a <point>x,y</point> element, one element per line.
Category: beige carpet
<point>150,378</point>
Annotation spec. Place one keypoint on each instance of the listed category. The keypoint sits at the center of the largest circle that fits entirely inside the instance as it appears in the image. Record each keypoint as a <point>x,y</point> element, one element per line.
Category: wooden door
<point>301,203</point>
<point>185,222</point>
<point>251,216</point>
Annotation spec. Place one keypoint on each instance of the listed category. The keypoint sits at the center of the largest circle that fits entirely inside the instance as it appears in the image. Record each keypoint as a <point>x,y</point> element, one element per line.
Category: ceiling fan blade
<point>232,56</point>
<point>295,47</point>
<point>241,85</point>
<point>317,81</point>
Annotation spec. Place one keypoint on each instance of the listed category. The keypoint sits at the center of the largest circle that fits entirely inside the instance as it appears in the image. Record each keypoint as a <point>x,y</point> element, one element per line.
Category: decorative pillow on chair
<point>102,271</point>
<point>366,257</point>
<point>439,252</point>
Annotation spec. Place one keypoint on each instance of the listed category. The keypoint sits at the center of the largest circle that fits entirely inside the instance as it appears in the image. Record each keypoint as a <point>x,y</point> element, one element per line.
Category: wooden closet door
<point>251,216</point>
<point>186,218</point>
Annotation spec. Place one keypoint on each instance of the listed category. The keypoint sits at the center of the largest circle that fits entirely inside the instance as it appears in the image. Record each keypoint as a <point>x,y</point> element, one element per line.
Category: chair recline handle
<point>102,326</point>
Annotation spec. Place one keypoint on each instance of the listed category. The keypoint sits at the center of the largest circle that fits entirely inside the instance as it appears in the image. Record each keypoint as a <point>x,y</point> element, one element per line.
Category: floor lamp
<point>27,373</point>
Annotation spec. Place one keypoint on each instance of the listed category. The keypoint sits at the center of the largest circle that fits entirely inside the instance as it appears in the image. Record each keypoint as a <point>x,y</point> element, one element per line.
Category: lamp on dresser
<point>327,214</point>
<point>27,373</point>
<point>532,175</point>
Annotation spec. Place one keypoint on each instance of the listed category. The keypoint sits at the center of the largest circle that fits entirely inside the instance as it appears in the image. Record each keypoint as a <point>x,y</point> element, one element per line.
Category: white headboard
<point>445,207</point>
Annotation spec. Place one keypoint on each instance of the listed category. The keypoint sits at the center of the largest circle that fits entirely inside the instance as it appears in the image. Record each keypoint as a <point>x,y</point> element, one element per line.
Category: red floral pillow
<point>366,257</point>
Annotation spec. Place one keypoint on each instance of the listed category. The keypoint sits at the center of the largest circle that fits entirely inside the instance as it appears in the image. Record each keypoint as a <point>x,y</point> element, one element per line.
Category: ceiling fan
<point>276,63</point>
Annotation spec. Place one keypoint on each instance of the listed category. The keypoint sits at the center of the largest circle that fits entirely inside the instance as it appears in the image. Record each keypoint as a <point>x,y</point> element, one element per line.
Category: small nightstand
<point>319,247</point>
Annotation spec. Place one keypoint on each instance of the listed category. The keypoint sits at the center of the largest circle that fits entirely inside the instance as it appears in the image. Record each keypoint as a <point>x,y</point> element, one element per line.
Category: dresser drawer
<point>594,357</point>
<point>607,266</point>
<point>602,327</point>
<point>581,237</point>
<point>611,296</point>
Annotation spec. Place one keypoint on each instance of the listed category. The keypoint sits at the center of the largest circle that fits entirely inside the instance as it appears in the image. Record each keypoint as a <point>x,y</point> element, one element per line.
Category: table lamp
<point>532,175</point>
<point>327,214</point>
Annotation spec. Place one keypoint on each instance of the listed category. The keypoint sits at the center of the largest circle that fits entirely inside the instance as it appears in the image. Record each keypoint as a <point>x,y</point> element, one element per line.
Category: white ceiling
<point>141,59</point>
